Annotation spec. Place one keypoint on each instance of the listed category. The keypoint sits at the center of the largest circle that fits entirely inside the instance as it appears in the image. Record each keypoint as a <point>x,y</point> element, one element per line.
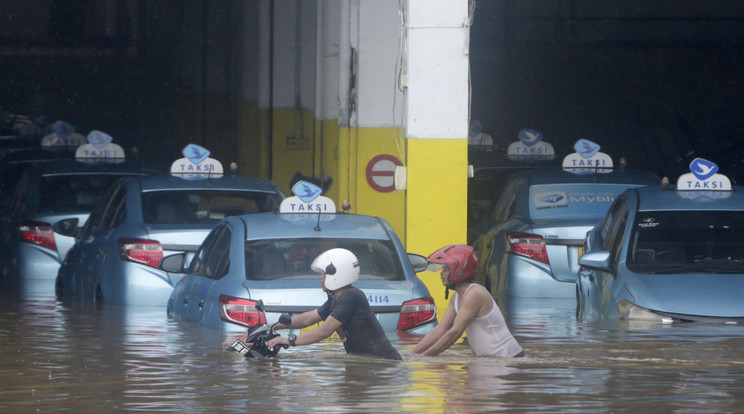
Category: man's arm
<point>302,320</point>
<point>312,336</point>
<point>466,313</point>
<point>319,333</point>
<point>432,336</point>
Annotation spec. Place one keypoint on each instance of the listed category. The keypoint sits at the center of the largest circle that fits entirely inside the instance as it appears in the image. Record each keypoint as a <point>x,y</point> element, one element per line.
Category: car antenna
<point>317,226</point>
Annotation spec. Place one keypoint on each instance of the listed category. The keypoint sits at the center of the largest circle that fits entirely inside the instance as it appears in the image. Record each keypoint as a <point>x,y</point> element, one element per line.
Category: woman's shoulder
<point>478,291</point>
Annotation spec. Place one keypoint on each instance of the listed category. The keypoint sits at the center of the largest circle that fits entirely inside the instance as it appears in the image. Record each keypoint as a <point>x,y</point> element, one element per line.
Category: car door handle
<point>201,305</point>
<point>186,301</point>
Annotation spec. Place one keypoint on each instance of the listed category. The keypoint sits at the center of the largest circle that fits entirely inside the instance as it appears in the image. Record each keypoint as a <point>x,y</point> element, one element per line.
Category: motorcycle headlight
<point>629,312</point>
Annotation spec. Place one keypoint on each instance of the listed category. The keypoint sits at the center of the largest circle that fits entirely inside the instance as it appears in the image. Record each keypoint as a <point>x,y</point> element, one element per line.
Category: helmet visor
<point>435,267</point>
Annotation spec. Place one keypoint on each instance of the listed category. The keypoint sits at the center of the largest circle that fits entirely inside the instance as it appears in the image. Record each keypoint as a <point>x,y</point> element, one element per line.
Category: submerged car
<point>261,262</point>
<point>533,237</point>
<point>34,240</point>
<point>142,219</point>
<point>667,254</point>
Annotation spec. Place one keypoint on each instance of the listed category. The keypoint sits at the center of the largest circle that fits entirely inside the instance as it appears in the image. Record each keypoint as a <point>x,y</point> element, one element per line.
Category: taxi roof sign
<point>100,148</point>
<point>530,147</point>
<point>63,135</point>
<point>703,176</point>
<point>307,198</point>
<point>196,164</point>
<point>587,159</point>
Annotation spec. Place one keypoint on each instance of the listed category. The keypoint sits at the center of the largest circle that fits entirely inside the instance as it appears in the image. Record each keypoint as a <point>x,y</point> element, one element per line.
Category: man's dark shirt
<point>363,333</point>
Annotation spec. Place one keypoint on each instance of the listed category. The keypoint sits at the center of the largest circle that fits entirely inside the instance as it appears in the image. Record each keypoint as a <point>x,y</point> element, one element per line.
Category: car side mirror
<point>418,262</point>
<point>599,260</point>
<point>173,263</point>
<point>67,227</point>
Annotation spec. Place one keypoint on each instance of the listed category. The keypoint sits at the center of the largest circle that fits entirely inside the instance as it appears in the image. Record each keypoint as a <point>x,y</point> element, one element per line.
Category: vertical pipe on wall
<point>319,90</point>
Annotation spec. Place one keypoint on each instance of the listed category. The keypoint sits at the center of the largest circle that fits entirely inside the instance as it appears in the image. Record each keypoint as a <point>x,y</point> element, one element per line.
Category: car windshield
<point>291,258</point>
<point>203,206</point>
<point>687,242</point>
<point>565,201</point>
<point>77,192</point>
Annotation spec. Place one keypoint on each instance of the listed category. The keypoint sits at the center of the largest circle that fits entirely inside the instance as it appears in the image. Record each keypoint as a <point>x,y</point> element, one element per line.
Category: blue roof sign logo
<point>99,139</point>
<point>307,198</point>
<point>704,176</point>
<point>63,129</point>
<point>195,153</point>
<point>196,164</point>
<point>306,191</point>
<point>529,137</point>
<point>586,148</point>
<point>702,169</point>
<point>587,159</point>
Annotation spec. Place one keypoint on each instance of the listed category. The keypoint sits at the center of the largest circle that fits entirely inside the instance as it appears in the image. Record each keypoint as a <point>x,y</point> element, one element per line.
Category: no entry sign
<point>381,172</point>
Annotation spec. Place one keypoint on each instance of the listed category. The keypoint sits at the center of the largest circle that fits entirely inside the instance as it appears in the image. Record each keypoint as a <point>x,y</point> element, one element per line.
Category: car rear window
<point>77,192</point>
<point>563,201</point>
<point>291,258</point>
<point>203,206</point>
<point>687,241</point>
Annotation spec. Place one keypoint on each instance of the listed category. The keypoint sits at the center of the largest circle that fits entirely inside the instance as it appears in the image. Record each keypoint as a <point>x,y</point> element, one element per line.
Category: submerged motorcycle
<point>258,335</point>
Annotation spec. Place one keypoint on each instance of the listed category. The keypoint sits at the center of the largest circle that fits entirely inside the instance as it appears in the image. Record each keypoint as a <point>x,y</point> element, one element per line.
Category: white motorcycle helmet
<point>340,266</point>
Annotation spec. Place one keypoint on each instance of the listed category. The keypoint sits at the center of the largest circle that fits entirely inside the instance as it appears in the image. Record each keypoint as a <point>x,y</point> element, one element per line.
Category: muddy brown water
<point>57,358</point>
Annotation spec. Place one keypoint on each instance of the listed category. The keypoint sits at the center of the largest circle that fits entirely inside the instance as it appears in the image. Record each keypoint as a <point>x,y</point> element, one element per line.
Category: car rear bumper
<point>526,279</point>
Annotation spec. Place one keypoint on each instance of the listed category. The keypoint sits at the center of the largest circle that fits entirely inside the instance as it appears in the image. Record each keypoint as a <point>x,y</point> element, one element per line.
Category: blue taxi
<point>668,253</point>
<point>48,198</point>
<point>261,262</point>
<point>533,237</point>
<point>142,219</point>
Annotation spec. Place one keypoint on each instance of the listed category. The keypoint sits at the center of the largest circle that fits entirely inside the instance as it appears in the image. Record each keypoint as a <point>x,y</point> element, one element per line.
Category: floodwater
<point>114,359</point>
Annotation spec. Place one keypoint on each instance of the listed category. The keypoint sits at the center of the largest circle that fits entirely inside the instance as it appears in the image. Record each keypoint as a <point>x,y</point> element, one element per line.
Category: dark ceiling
<point>659,82</point>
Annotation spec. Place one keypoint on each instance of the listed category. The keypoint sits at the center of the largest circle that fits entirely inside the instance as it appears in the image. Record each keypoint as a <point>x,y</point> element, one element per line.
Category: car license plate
<point>239,347</point>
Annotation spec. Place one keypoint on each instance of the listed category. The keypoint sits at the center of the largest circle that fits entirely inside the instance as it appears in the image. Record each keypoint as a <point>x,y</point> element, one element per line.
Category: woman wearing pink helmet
<point>471,309</point>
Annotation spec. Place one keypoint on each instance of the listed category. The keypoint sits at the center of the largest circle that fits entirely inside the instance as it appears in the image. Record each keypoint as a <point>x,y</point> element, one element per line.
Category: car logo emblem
<point>552,198</point>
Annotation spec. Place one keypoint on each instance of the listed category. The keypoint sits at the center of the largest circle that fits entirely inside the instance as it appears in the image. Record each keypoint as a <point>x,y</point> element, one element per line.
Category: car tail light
<point>527,245</point>
<point>148,252</point>
<point>416,312</point>
<point>243,312</point>
<point>37,232</point>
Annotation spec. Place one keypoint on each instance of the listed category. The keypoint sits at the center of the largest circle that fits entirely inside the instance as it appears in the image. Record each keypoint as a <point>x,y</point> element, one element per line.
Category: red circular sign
<point>381,172</point>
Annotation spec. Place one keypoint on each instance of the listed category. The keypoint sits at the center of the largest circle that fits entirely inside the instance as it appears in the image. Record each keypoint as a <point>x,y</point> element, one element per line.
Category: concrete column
<point>436,114</point>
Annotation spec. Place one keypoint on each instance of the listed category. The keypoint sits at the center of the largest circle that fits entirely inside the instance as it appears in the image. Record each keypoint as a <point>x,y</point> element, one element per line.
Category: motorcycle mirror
<point>285,319</point>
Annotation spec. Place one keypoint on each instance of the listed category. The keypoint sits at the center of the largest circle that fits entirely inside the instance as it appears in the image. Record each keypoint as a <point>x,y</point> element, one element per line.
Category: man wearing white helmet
<point>346,311</point>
